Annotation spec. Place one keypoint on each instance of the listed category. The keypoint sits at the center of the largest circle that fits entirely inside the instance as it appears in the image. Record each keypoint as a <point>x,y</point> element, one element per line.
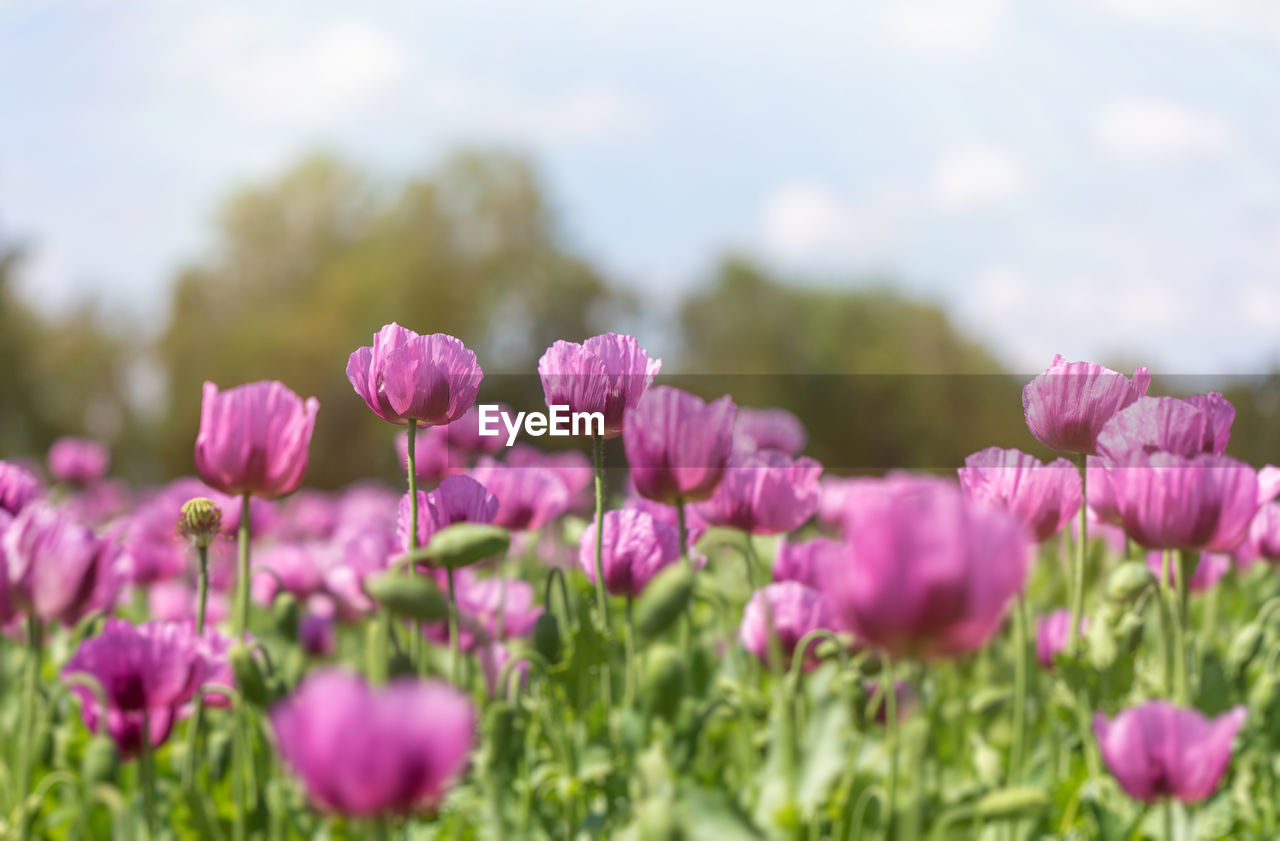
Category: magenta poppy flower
<point>695,527</point>
<point>58,570</point>
<point>928,571</point>
<point>433,460</point>
<point>463,435</point>
<point>572,466</point>
<point>793,610</point>
<point>78,461</point>
<point>459,499</point>
<point>1208,572</point>
<point>802,561</point>
<point>489,609</point>
<point>404,376</point>
<point>677,445</point>
<point>297,568</point>
<point>1263,540</point>
<point>764,493</point>
<point>254,438</point>
<point>1168,501</point>
<point>1043,496</point>
<point>1201,424</point>
<point>1157,750</point>
<point>366,505</point>
<point>837,494</point>
<point>149,670</point>
<point>18,486</point>
<point>635,547</point>
<point>606,374</point>
<point>177,601</point>
<point>309,515</point>
<point>317,635</point>
<point>362,751</point>
<point>1067,406</point>
<point>358,554</point>
<point>1052,632</point>
<point>768,429</point>
<point>528,497</point>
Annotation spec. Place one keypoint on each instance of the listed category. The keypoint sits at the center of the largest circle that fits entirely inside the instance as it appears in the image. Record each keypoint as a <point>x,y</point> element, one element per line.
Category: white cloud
<point>321,78</point>
<point>966,179</point>
<point>1230,16</point>
<point>1161,131</point>
<point>803,221</point>
<point>581,115</point>
<point>946,29</point>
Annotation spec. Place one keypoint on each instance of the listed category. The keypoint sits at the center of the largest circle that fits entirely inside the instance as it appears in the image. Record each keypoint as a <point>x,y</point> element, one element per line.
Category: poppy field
<point>722,641</point>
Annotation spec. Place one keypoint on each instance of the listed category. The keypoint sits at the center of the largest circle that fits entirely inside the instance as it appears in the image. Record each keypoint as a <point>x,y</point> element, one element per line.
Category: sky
<point>1097,178</point>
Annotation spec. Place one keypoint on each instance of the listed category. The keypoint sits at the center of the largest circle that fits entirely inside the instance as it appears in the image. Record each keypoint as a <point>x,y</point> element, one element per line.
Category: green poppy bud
<point>665,680</point>
<point>664,600</point>
<point>546,637</point>
<point>413,597</point>
<point>284,615</point>
<point>1128,581</point>
<point>250,680</point>
<point>200,521</point>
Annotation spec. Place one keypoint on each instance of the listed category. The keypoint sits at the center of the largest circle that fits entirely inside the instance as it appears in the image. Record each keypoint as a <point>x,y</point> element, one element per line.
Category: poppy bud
<point>249,678</point>
<point>1012,803</point>
<point>1128,581</point>
<point>284,615</point>
<point>200,521</point>
<point>415,597</point>
<point>546,637</point>
<point>462,544</point>
<point>501,724</point>
<point>665,678</point>
<point>664,600</point>
<point>1244,647</point>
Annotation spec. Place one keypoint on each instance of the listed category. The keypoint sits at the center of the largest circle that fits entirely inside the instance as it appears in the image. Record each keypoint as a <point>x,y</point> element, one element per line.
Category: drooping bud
<point>664,600</point>
<point>546,637</point>
<point>665,676</point>
<point>200,521</point>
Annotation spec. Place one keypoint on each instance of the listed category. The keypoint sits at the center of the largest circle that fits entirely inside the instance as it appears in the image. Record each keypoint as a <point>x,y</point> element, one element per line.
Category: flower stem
<point>454,645</point>
<point>1082,548</point>
<point>147,777</point>
<point>202,597</point>
<point>415,639</point>
<point>1175,593</point>
<point>1019,691</point>
<point>27,713</point>
<point>241,628</point>
<point>684,531</point>
<point>891,721</point>
<point>630,651</point>
<point>602,599</point>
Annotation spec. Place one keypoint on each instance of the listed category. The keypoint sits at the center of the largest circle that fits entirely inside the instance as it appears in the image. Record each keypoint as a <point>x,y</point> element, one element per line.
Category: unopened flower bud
<point>200,521</point>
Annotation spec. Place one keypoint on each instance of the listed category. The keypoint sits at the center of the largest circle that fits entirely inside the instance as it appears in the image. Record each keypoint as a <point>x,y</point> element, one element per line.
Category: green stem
<point>684,531</point>
<point>455,655</point>
<point>27,715</point>
<point>241,625</point>
<point>891,722</point>
<point>202,584</point>
<point>750,558</point>
<point>1019,690</point>
<point>415,639</point>
<point>1082,548</point>
<point>1173,592</point>
<point>193,735</point>
<point>1168,819</point>
<point>630,652</point>
<point>602,599</point>
<point>147,777</point>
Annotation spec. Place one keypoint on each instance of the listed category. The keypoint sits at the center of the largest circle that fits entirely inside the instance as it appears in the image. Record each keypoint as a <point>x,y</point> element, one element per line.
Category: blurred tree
<point>307,268</point>
<point>62,375</point>
<point>880,380</point>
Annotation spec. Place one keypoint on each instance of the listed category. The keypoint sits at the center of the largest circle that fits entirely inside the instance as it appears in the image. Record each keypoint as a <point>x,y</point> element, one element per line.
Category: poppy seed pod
<point>200,521</point>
